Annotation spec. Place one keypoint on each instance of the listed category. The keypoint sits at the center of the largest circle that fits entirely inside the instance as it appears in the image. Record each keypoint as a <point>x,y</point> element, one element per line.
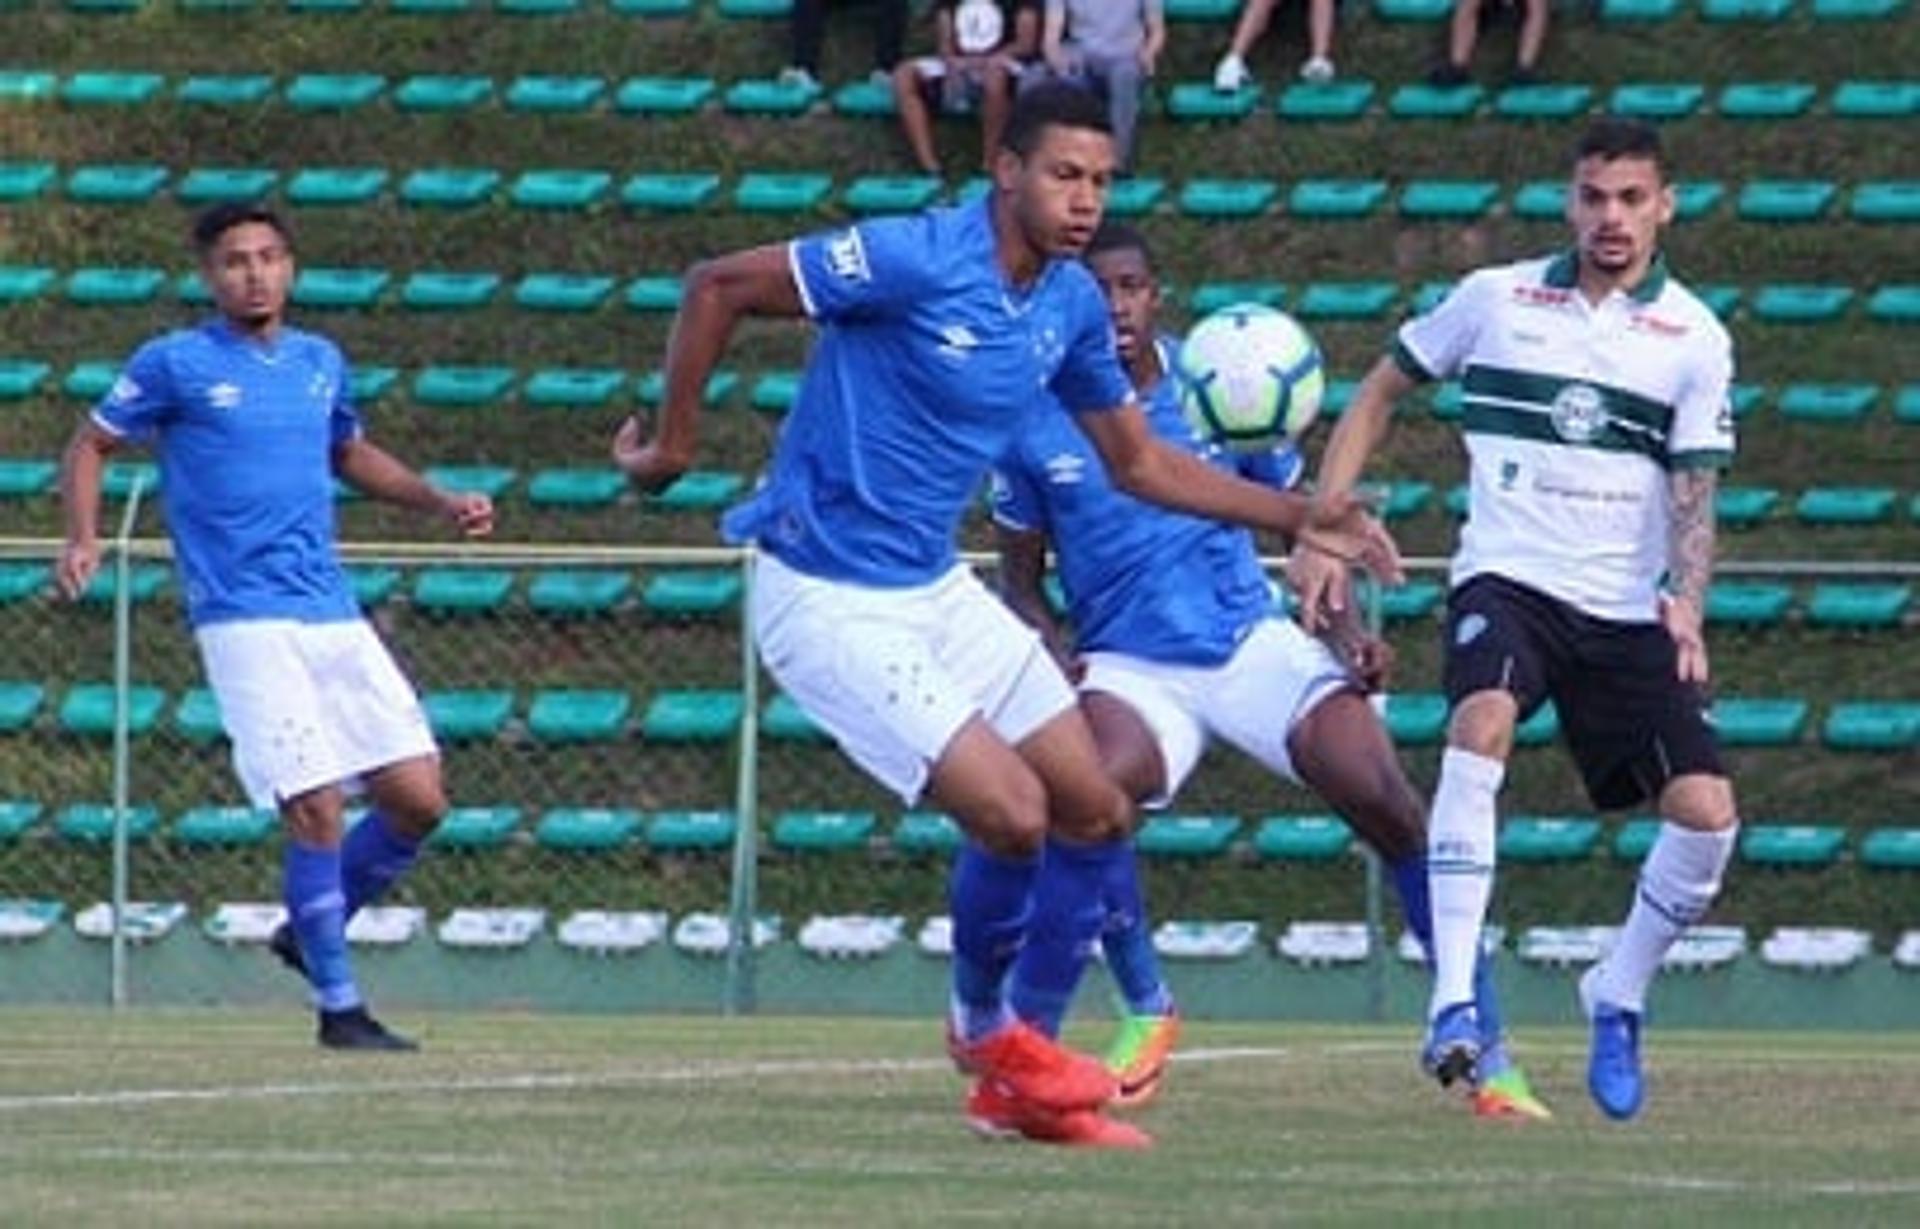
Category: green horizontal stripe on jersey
<point>1541,388</point>
<point>1480,417</point>
<point>1705,458</point>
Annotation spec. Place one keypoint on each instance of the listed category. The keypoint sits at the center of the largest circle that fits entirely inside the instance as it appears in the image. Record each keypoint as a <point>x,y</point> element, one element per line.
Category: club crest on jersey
<point>1579,413</point>
<point>224,395</point>
<point>847,258</point>
<point>1470,629</point>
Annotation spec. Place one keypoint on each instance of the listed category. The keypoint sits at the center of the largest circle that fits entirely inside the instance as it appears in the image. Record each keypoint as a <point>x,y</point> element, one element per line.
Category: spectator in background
<point>889,24</point>
<point>1109,47</point>
<point>1465,32</point>
<point>1231,74</point>
<point>981,45</point>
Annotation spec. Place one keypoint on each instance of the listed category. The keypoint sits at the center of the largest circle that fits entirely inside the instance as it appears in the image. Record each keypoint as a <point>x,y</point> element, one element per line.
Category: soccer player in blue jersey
<point>251,422</point>
<point>1176,644</point>
<point>937,332</point>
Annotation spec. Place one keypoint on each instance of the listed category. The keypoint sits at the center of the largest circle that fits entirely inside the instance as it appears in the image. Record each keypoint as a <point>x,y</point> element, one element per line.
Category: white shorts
<point>309,704</point>
<point>892,674</point>
<point>1253,700</point>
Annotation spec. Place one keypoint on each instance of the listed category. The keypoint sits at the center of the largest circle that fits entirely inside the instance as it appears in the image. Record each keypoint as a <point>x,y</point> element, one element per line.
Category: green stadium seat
<point>562,292</point>
<point>1448,198</point>
<point>556,386</point>
<point>205,184</point>
<point>669,193</point>
<point>109,89</point>
<point>1541,727</point>
<point>1696,198</point>
<point>927,832</point>
<point>1336,198</point>
<point>1226,198</point>
<point>1130,198</point>
<point>1906,404</point>
<point>1210,297</point>
<point>1872,726</point>
<point>1433,11</point>
<point>537,8</point>
<point>1635,839</point>
<point>1200,10</point>
<point>700,716</point>
<point>373,583</point>
<point>570,716</point>
<point>349,185</point>
<point>693,591</point>
<point>1657,100</point>
<point>22,181</point>
<point>225,827</point>
<point>868,99</point>
<point>239,90</point>
<point>475,828</point>
<point>1399,500</point>
<point>92,822</point>
<point>770,97</point>
<point>1540,199</point>
<point>578,591</point>
<point>690,831</point>
<point>1741,507</point>
<point>462,386</point>
<point>144,581</point>
<point>1302,838</point>
<point>1198,101</point>
<point>1418,100</point>
<point>1744,10</point>
<point>21,479</point>
<point>116,184</point>
<point>652,388</point>
<point>1723,301</point>
<point>774,391</point>
<point>823,831</point>
<point>449,187</point>
<point>333,91</point>
<point>553,95</point>
<point>1801,200</point>
<point>654,294</point>
<point>1844,505</point>
<point>1637,11</point>
<point>890,193</point>
<point>114,287</point>
<point>558,189</point>
<point>339,288</point>
<point>17,816</point>
<point>462,590</point>
<point>19,705</point>
<point>587,829</point>
<point>1876,99</point>
<point>576,488</point>
<point>1791,844</point>
<point>18,85</point>
<point>118,482</point>
<point>1416,599</point>
<point>1828,403</point>
<point>1800,304</point>
<point>90,381</point>
<point>429,8</point>
<point>1346,300</point>
<point>1543,102</point>
<point>489,480</point>
<point>435,290</point>
<point>786,721</point>
<point>1759,723</point>
<point>1746,398</point>
<point>88,708</point>
<point>1747,604</point>
<point>768,192</point>
<point>1891,848</point>
<point>1895,305</point>
<point>1448,404</point>
<point>1187,836</point>
<point>467,715</point>
<point>371,383</point>
<point>1766,99</point>
<point>1416,718</point>
<point>1327,100</point>
<point>1547,839</point>
<point>1835,604</point>
<point>1855,10</point>
<point>663,95</point>
<point>20,377</point>
<point>442,93</point>
<point>1336,397</point>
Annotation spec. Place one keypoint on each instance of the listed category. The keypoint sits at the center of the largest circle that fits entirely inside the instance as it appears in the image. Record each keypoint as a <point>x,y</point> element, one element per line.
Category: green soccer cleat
<point>1138,1056</point>
<point>1508,1095</point>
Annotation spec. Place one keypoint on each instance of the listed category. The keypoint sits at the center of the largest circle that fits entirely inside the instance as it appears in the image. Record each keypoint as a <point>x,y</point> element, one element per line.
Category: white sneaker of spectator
<point>1230,75</point>
<point>793,74</point>
<point>1317,71</point>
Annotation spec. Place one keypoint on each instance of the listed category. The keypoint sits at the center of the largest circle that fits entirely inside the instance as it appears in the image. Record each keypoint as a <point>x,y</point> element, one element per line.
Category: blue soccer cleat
<point>1452,1049</point>
<point>1613,1064</point>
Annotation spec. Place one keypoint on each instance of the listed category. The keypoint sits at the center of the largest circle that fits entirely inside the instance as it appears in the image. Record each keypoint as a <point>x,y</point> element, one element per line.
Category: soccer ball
<point>1250,377</point>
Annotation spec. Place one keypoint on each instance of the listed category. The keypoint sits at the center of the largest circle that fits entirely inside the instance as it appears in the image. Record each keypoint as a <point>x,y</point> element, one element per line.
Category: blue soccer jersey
<point>1139,579</point>
<point>927,362</point>
<point>245,434</point>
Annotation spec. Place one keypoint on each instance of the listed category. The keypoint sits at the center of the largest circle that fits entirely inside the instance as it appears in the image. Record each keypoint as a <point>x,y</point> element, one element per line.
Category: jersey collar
<point>1563,273</point>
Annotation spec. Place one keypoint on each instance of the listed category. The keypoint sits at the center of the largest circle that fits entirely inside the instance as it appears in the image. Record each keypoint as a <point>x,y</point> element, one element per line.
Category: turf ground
<point>232,1118</point>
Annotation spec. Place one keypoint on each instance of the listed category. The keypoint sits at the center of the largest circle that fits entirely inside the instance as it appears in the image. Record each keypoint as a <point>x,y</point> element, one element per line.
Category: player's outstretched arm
<point>377,473</point>
<point>1689,567</point>
<point>1023,570</point>
<point>716,296</point>
<point>80,469</point>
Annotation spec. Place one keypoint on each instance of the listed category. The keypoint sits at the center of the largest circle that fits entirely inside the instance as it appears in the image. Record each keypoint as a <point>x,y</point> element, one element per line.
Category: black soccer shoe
<point>286,945</point>
<point>354,1029</point>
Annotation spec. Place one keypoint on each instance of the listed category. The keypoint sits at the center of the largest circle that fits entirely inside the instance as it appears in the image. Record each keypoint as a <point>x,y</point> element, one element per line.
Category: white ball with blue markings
<point>1250,377</point>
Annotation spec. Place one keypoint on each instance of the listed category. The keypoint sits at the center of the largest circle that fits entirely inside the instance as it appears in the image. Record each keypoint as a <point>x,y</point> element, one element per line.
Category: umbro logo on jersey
<point>224,395</point>
<point>957,341</point>
<point>1066,469</point>
<point>847,258</point>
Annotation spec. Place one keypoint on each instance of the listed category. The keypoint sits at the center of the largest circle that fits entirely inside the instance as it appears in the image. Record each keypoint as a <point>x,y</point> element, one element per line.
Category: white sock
<point>1679,880</point>
<point>1460,842</point>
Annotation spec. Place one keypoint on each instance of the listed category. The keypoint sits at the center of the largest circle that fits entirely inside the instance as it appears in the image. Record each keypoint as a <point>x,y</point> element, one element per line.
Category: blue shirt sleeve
<point>1016,498</point>
<point>1090,376</point>
<point>141,402</point>
<point>1278,468</point>
<point>876,268</point>
<point>343,420</point>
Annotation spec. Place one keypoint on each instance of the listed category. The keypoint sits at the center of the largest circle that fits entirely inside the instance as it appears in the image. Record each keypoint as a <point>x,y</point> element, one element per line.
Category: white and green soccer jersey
<point>1575,415</point>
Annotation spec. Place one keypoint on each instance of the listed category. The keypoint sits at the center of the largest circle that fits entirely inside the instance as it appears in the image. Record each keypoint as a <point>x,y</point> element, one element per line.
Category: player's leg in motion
<point>408,804</point>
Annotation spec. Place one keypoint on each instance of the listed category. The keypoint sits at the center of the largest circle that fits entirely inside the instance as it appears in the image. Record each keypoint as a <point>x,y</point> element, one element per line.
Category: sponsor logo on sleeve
<point>847,257</point>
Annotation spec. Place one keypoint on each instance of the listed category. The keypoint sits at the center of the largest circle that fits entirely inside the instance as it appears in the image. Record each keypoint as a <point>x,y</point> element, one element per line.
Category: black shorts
<point>1629,720</point>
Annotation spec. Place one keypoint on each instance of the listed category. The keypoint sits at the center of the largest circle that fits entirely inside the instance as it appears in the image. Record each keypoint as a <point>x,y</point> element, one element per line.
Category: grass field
<point>232,1118</point>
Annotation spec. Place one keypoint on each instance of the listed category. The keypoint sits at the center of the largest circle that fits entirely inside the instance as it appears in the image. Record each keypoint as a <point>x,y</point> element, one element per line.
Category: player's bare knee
<point>1011,821</point>
<point>1098,813</point>
<point>1483,724</point>
<point>313,818</point>
<point>1701,802</point>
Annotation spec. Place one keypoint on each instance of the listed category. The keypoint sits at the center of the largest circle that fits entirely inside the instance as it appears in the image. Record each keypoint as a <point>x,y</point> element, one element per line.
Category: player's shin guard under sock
<point>1127,940</point>
<point>373,855</point>
<point>1460,850</point>
<point>990,898</point>
<point>1069,908</point>
<point>317,909</point>
<point>1416,904</point>
<point>1678,882</point>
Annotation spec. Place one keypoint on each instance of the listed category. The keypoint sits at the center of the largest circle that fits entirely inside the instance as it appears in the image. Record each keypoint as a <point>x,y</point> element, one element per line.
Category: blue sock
<point>372,857</point>
<point>1410,878</point>
<point>317,909</point>
<point>1069,909</point>
<point>991,899</point>
<point>1128,942</point>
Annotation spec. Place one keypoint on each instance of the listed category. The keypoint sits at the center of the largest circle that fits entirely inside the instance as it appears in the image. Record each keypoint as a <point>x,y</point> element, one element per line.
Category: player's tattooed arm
<point>1690,545</point>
